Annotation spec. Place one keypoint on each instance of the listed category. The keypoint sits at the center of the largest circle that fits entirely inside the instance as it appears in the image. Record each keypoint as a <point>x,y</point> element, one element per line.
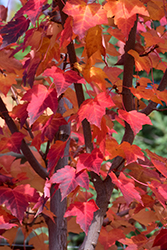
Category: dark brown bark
<point>58,229</point>
<point>104,191</point>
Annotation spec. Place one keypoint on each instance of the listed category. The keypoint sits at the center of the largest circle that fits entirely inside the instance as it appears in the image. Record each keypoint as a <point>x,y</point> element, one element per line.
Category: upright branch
<point>127,97</point>
<point>78,87</point>
<point>106,188</point>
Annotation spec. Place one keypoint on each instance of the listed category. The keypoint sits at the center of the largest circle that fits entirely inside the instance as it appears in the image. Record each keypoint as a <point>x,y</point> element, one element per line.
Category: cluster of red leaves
<point>46,79</point>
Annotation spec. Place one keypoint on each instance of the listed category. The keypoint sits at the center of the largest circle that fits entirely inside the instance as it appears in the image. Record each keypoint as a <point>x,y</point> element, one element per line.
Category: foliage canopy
<point>59,157</point>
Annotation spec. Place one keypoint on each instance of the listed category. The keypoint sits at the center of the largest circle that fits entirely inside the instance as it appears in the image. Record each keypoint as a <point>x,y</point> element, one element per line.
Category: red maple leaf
<point>108,238</point>
<point>160,191</point>
<point>135,119</point>
<point>132,152</point>
<point>37,141</point>
<point>13,30</point>
<point>32,9</point>
<point>6,225</point>
<point>160,166</point>
<point>31,66</point>
<point>91,161</point>
<point>84,212</point>
<point>55,152</point>
<point>13,143</point>
<point>127,151</point>
<point>161,239</point>
<point>141,63</point>
<point>124,12</point>
<point>20,111</point>
<point>6,81</point>
<point>85,15</point>
<point>67,33</point>
<point>6,219</point>
<point>94,109</point>
<point>8,62</point>
<point>63,80</point>
<point>52,126</point>
<point>40,98</point>
<point>68,180</point>
<point>3,13</point>
<point>16,200</point>
<point>127,188</point>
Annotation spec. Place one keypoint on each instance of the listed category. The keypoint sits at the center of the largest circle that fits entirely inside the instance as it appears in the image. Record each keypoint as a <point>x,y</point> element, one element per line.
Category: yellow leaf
<point>94,41</point>
<point>96,76</point>
<point>141,63</point>
<point>6,81</point>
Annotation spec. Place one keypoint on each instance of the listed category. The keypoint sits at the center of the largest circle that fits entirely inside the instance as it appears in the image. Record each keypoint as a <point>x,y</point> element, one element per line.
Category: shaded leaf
<point>20,111</point>
<point>55,152</point>
<point>67,33</point>
<point>16,200</point>
<point>160,191</point>
<point>40,241</point>
<point>13,143</point>
<point>145,217</point>
<point>13,30</point>
<point>47,52</point>
<point>108,238</point>
<point>6,225</point>
<point>160,166</point>
<point>161,239</point>
<point>9,63</point>
<point>3,12</point>
<point>127,151</point>
<point>32,8</point>
<point>52,126</point>
<point>6,81</point>
<point>31,66</point>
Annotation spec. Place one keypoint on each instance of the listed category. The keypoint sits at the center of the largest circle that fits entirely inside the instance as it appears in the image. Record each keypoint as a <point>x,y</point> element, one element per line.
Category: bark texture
<point>58,229</point>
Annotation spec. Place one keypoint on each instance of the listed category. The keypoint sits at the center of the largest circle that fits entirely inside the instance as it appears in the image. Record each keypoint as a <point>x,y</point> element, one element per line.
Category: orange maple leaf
<point>85,15</point>
<point>124,12</point>
<point>135,119</point>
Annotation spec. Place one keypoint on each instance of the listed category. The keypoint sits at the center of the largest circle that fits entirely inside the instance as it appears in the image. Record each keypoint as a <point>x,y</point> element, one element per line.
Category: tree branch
<point>42,172</point>
<point>78,87</point>
<point>106,187</point>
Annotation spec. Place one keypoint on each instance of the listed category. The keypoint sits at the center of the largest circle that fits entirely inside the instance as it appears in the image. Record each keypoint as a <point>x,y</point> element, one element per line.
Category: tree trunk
<point>58,230</point>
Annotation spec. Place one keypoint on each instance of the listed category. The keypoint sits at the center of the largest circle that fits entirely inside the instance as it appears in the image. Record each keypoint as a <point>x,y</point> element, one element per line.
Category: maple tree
<point>59,157</point>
